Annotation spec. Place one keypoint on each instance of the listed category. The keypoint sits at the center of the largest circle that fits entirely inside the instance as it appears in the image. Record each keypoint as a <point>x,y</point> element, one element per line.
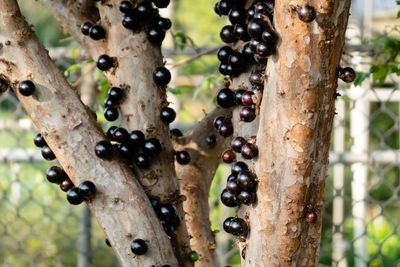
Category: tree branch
<point>195,181</point>
<point>294,135</point>
<point>121,206</point>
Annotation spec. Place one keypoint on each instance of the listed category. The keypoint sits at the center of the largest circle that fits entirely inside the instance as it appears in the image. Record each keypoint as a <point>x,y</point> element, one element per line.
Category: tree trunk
<point>296,118</point>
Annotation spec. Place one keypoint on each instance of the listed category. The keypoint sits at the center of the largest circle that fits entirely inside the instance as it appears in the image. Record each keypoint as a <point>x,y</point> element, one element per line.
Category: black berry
<point>167,212</point>
<point>3,85</point>
<point>256,27</point>
<point>55,175</point>
<point>306,13</point>
<point>144,9</point>
<point>156,35</point>
<point>226,98</point>
<point>110,132</point>
<point>238,167</point>
<point>228,156</point>
<point>108,242</point>
<point>183,157</point>
<point>47,153</point>
<point>139,247</point>
<point>26,88</point>
<point>237,16</point>
<point>161,3</point>
<point>167,115</point>
<point>249,151</point>
<point>228,199</point>
<point>264,50</point>
<point>120,135</point>
<point>211,141</point>
<point>108,103</point>
<point>227,34</point>
<point>246,197</point>
<point>125,6</point>
<point>38,140</point>
<point>232,186</point>
<point>269,37</point>
<point>311,216</point>
<point>137,138</point>
<point>66,185</point>
<point>238,227</point>
<point>130,21</point>
<point>248,54</point>
<point>226,128</point>
<point>223,53</point>
<point>247,114</point>
<point>236,60</point>
<point>111,113</point>
<point>85,27</point>
<point>175,132</point>
<point>247,98</point>
<point>246,180</point>
<point>164,23</point>
<point>347,74</point>
<point>103,149</point>
<point>142,161</point>
<point>224,7</point>
<point>74,197</point>
<point>87,190</point>
<point>238,96</point>
<point>218,121</point>
<point>161,76</point>
<point>152,146</point>
<point>256,78</point>
<point>96,32</point>
<point>237,143</point>
<point>104,62</point>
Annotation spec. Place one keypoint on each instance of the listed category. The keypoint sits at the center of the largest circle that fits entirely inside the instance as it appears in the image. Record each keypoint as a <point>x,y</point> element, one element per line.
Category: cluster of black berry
<point>111,103</point>
<point>236,226</point>
<point>57,175</point>
<point>47,153</point>
<point>167,213</point>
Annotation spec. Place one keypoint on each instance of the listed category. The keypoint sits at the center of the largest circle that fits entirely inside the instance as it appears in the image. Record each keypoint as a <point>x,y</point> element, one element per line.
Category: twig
<point>188,60</point>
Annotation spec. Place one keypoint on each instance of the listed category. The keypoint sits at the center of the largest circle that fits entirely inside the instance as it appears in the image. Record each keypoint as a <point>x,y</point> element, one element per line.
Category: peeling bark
<point>294,135</point>
<point>121,206</point>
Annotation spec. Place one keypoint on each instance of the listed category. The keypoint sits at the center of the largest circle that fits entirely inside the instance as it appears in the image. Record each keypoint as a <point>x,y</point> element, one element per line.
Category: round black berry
<point>256,27</point>
<point>238,227</point>
<point>236,60</point>
<point>125,6</point>
<point>226,128</point>
<point>87,189</point>
<point>246,180</point>
<point>126,150</point>
<point>247,114</point>
<point>137,138</point>
<point>248,54</point>
<point>228,199</point>
<point>228,156</point>
<point>238,167</point>
<point>247,98</point>
<point>227,224</point>
<point>108,102</point>
<point>241,32</point>
<point>38,140</point>
<point>249,151</point>
<point>218,121</point>
<point>246,197</point>
<point>227,34</point>
<point>167,212</point>
<point>97,32</point>
<point>238,96</point>
<point>260,59</point>
<point>253,45</point>
<point>167,115</point>
<point>161,3</point>
<point>108,242</point>
<point>211,141</point>
<point>237,143</point>
<point>264,50</point>
<point>156,35</point>
<point>26,88</point>
<point>103,149</point>
<point>347,74</point>
<point>226,98</point>
<point>144,9</point>
<point>3,85</point>
<point>130,21</point>
<point>232,186</point>
<point>142,161</point>
<point>110,132</point>
<point>169,229</point>
<point>306,13</point>
<point>120,135</point>
<point>163,23</point>
<point>175,132</point>
<point>55,175</point>
<point>74,197</point>
<point>311,216</point>
<point>155,202</point>
<point>66,185</point>
<point>104,62</point>
<point>47,153</point>
<point>111,113</point>
<point>161,76</point>
<point>269,37</point>
<point>85,27</point>
<point>223,53</point>
<point>237,16</point>
<point>256,78</point>
<point>139,247</point>
<point>152,146</point>
<point>183,157</point>
<point>223,69</point>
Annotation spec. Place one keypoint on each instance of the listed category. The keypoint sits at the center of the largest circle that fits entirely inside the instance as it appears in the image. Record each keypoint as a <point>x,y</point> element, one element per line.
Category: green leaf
<point>74,52</point>
<point>175,91</point>
<point>361,76</point>
<point>380,72</point>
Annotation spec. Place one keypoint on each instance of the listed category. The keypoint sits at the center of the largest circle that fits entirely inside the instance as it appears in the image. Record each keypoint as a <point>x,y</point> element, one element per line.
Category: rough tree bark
<point>293,134</point>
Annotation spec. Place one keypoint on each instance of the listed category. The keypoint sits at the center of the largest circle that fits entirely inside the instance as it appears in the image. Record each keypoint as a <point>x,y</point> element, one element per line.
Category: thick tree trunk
<point>294,135</point>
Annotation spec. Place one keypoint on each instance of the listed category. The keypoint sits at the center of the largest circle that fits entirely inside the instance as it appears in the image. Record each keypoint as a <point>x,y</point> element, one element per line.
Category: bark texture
<point>71,131</point>
<point>294,135</point>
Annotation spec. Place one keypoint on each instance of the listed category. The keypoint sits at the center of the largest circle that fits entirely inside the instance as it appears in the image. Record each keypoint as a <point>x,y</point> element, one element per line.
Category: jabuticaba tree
<point>148,185</point>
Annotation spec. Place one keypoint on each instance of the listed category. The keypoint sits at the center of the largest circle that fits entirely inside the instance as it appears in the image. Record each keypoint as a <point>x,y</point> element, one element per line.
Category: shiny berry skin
<point>256,78</point>
<point>193,256</point>
<point>241,33</point>
<point>55,175</point>
<point>120,135</point>
<point>264,50</point>
<point>47,153</point>
<point>236,60</point>
<point>85,27</point>
<point>256,27</point>
<point>226,128</point>
<point>237,16</point>
<point>155,202</point>
<point>247,98</point>
<point>139,247</point>
<point>269,37</point>
<point>110,132</point>
<point>232,186</point>
<point>238,227</point>
<point>66,185</point>
<point>253,45</point>
<point>169,229</point>
<point>108,103</point>
<point>218,121</point>
<point>175,132</point>
<point>108,242</point>
<point>111,113</point>
<point>216,9</point>
<point>237,143</point>
<point>211,141</point>
<point>225,98</point>
<point>26,88</point>
<point>311,216</point>
<point>249,151</point>
<point>228,156</point>
<point>3,85</point>
<point>167,212</point>
<point>223,53</point>
<point>97,32</point>
<point>238,167</point>
<point>227,34</point>
<point>231,177</point>
<point>247,114</point>
<point>126,150</point>
<point>222,68</point>
<point>161,76</point>
<point>167,115</point>
<point>38,140</point>
<point>152,146</point>
<point>74,197</point>
<point>161,3</point>
<point>246,180</point>
<point>129,21</point>
<point>183,157</point>
<point>104,62</point>
<point>257,89</point>
<point>227,224</point>
<point>136,138</point>
<point>348,74</point>
<point>142,161</point>
<point>115,93</point>
<point>103,149</point>
<point>87,189</point>
<point>156,35</point>
<point>248,54</point>
<point>246,197</point>
<point>306,13</point>
<point>260,59</point>
<point>238,96</point>
<point>228,199</point>
<point>144,9</point>
<point>163,23</point>
<point>224,7</point>
<point>125,6</point>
